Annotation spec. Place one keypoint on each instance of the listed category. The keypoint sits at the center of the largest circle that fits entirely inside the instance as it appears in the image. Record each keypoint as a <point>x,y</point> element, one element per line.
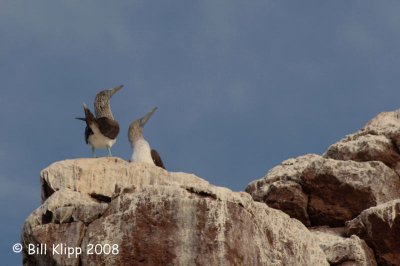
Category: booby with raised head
<point>141,151</point>
<point>101,131</point>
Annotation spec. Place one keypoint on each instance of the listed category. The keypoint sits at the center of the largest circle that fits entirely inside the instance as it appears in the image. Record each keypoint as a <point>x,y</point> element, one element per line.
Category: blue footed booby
<point>101,131</point>
<point>141,151</point>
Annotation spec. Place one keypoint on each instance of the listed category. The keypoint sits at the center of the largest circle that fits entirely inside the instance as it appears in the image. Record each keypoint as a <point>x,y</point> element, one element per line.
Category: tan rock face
<point>152,217</point>
<point>378,140</point>
<point>380,227</point>
<point>281,189</point>
<point>320,191</point>
<point>339,190</point>
<point>363,148</point>
<point>340,250</point>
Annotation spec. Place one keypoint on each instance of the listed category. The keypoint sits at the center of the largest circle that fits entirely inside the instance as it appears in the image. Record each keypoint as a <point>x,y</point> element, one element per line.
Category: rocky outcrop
<point>378,140</point>
<point>138,214</point>
<point>281,189</point>
<point>340,250</point>
<point>356,182</point>
<point>380,227</point>
<point>321,191</point>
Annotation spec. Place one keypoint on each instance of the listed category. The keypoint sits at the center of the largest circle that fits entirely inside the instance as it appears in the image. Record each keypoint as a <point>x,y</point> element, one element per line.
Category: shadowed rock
<point>380,227</point>
<point>340,250</point>
<point>320,191</point>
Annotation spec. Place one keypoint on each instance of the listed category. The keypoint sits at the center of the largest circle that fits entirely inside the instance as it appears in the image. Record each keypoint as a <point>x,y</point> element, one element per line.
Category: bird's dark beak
<point>114,90</point>
<point>146,118</point>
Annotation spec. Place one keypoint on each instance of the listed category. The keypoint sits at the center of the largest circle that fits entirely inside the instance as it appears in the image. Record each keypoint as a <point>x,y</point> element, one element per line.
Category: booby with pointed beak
<point>101,131</point>
<point>141,151</point>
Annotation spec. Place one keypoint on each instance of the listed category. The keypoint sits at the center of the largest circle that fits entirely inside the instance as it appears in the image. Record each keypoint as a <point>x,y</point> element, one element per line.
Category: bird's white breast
<point>141,152</point>
<point>99,141</point>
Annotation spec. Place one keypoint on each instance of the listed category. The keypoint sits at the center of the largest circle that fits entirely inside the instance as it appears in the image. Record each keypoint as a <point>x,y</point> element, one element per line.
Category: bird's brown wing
<point>108,127</point>
<point>88,132</point>
<point>90,121</point>
<point>157,159</point>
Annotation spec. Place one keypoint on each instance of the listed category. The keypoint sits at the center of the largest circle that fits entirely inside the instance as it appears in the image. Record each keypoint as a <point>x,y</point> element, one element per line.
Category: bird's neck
<point>137,140</point>
<point>141,151</point>
<point>103,110</point>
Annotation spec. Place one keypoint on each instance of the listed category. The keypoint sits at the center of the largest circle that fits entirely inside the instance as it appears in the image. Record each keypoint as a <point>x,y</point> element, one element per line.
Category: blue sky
<point>240,85</point>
